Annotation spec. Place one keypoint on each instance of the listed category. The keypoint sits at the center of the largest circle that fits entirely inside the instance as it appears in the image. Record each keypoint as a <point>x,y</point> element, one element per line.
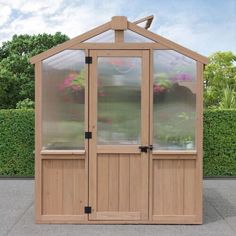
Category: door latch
<point>145,148</point>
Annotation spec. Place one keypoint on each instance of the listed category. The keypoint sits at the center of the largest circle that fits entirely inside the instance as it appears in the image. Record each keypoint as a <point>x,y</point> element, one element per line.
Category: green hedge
<point>220,143</point>
<point>17,142</point>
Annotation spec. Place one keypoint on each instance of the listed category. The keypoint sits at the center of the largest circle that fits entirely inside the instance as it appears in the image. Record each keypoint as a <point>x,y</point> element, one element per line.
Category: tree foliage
<point>220,79</point>
<point>16,72</point>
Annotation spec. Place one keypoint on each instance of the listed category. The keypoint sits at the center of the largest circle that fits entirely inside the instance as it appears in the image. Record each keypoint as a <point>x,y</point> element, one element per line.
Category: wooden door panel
<point>120,188</point>
<point>118,183</point>
<point>173,184</point>
<point>63,187</point>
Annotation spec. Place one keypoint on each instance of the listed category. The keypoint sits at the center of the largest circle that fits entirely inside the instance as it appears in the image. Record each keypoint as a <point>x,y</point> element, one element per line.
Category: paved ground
<point>17,215</point>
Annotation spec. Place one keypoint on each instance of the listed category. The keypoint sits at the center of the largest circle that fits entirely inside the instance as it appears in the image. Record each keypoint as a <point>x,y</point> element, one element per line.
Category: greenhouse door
<point>119,125</point>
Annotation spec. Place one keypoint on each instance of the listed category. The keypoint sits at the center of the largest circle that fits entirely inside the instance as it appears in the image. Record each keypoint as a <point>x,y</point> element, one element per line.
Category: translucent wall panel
<point>105,37</point>
<point>174,101</point>
<point>119,100</point>
<point>63,100</point>
<point>132,37</point>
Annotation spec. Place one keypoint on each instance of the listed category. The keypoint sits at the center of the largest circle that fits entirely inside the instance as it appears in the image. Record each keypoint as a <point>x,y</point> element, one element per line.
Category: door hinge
<point>88,135</point>
<point>88,60</point>
<point>87,210</point>
<point>145,148</point>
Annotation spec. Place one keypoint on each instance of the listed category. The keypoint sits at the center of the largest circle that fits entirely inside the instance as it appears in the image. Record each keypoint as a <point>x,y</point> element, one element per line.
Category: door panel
<point>64,190</point>
<point>118,171</point>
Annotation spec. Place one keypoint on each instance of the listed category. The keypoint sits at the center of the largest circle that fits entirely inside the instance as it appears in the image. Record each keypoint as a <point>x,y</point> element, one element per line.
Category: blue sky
<point>204,26</point>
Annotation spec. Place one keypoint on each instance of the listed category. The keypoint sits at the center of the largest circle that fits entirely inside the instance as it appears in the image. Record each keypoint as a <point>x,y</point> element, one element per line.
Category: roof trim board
<point>70,43</point>
<point>110,25</point>
<point>168,43</point>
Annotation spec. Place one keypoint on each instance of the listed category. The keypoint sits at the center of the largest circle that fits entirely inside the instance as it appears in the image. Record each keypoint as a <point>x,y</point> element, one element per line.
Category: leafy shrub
<point>16,142</point>
<point>25,104</point>
<point>220,143</point>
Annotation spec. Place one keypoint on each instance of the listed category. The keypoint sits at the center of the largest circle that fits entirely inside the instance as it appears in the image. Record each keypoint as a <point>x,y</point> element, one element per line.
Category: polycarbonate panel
<point>119,100</point>
<point>132,37</point>
<point>174,101</point>
<point>63,98</point>
<point>105,37</point>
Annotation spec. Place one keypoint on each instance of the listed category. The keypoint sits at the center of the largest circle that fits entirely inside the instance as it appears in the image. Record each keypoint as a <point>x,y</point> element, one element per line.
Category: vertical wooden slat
<point>151,161</point>
<point>68,183</point>
<point>157,199</point>
<point>167,187</point>
<point>199,170</point>
<point>178,197</point>
<point>79,186</point>
<point>144,161</point>
<point>190,187</point>
<point>102,182</point>
<point>38,128</point>
<point>59,180</point>
<point>119,36</point>
<point>46,187</point>
<point>113,203</point>
<point>93,142</point>
<point>86,128</point>
<point>135,179</point>
<point>124,182</point>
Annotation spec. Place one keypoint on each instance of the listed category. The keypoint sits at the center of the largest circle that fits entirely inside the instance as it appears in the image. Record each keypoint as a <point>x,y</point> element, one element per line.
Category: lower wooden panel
<point>174,190</point>
<point>122,187</point>
<point>63,188</point>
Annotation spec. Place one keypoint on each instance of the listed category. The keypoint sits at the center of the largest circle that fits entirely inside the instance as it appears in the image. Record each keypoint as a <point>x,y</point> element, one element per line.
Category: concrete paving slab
<point>16,196</point>
<point>17,215</point>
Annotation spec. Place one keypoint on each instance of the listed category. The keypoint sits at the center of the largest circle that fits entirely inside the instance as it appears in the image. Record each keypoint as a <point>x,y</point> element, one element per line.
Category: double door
<point>119,94</point>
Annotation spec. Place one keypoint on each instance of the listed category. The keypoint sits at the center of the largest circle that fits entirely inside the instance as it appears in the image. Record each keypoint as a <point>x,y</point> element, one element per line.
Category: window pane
<point>63,101</point>
<point>119,100</point>
<point>131,37</point>
<point>105,37</point>
<point>174,101</point>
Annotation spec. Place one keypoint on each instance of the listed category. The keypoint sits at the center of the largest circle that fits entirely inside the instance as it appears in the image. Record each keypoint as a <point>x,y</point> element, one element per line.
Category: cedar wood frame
<point>193,158</point>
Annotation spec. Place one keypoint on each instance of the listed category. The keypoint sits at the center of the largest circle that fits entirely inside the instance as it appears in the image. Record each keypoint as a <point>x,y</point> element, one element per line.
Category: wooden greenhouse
<point>119,128</point>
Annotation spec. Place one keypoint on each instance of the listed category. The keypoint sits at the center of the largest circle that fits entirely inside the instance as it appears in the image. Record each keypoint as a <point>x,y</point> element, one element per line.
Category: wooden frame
<point>170,182</point>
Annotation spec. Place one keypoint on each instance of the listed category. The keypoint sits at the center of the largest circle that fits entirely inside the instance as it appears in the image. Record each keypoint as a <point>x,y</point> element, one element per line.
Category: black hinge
<point>87,210</point>
<point>88,135</point>
<point>88,60</point>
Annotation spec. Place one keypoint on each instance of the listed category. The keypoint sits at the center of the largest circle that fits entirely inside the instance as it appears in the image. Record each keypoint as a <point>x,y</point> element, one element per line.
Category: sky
<point>205,26</point>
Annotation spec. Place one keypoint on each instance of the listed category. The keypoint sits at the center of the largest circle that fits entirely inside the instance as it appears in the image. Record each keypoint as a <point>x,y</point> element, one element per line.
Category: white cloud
<point>51,16</point>
<point>199,35</point>
<point>74,17</point>
<point>5,12</point>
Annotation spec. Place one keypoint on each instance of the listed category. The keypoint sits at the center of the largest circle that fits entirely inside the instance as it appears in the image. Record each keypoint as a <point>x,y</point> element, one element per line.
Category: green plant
<point>25,104</point>
<point>228,100</point>
<point>219,73</point>
<point>16,72</point>
<point>16,142</point>
<point>220,143</point>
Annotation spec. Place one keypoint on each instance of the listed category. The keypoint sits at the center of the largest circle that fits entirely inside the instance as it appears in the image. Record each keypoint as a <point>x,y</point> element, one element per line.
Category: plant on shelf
<point>161,83</point>
<point>73,84</point>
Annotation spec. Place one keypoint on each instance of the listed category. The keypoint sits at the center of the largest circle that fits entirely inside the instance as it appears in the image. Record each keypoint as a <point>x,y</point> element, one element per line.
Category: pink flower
<point>158,89</point>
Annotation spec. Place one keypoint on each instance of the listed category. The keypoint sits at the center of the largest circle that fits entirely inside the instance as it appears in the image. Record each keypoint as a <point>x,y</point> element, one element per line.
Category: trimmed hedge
<point>220,143</point>
<point>16,142</point>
